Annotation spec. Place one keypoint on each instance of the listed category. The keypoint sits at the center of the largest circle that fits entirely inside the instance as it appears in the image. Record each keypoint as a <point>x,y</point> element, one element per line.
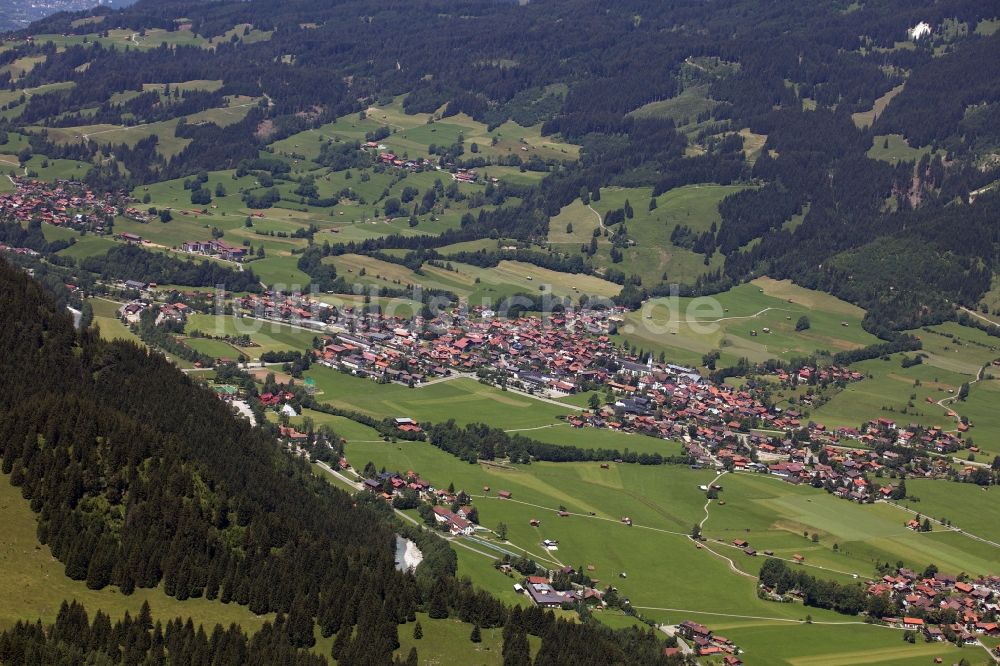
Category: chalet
<point>933,633</point>
<point>456,524</point>
<point>691,630</point>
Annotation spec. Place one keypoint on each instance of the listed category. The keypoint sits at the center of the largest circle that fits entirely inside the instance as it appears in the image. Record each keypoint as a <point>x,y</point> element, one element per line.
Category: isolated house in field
<point>545,596</point>
<point>504,494</point>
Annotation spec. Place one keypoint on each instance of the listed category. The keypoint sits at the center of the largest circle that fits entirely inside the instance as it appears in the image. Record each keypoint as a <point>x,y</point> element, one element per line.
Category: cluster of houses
<point>965,608</point>
<point>391,159</point>
<point>27,251</point>
<point>851,460</point>
<point>293,307</point>
<point>216,248</point>
<point>705,643</point>
<point>62,203</point>
<point>526,352</point>
<point>131,312</point>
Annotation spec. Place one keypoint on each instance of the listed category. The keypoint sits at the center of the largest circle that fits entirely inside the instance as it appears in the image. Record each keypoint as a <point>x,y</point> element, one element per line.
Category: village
<point>65,203</point>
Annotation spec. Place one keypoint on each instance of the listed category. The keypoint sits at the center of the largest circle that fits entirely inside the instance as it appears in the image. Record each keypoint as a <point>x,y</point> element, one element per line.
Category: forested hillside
<point>139,477</point>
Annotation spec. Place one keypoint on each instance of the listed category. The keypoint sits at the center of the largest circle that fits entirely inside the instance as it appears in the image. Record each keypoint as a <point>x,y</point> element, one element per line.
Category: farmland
<point>472,282</point>
<point>435,403</point>
<point>663,502</point>
<point>774,515</point>
<point>652,256</point>
<point>733,322</point>
<point>953,355</point>
<point>267,335</point>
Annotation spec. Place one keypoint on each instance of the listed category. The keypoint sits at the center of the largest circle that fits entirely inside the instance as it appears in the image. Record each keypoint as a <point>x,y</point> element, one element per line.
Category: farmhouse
<point>545,596</point>
<point>456,524</point>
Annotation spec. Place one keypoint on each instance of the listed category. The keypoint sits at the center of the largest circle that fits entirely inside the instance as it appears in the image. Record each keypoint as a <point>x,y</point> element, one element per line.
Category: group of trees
<point>478,441</point>
<point>130,262</point>
<point>74,639</point>
<point>848,598</point>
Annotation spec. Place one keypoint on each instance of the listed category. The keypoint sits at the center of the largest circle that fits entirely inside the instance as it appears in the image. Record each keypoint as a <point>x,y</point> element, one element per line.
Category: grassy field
<point>169,145</point>
<point>958,348</point>
<point>988,27</point>
<point>664,570</point>
<point>269,336</point>
<point>682,109</point>
<point>825,645</point>
<point>214,348</point>
<point>445,641</point>
<point>465,400</point>
<point>940,499</point>
<point>8,96</point>
<point>688,328</point>
<point>652,256</point>
<point>894,148</point>
<point>88,246</point>
<point>412,135</point>
<point>886,392</point>
<point>954,355</point>
<point>867,118</point>
<point>106,318</point>
<point>473,282</point>
<point>34,584</point>
<point>774,515</point>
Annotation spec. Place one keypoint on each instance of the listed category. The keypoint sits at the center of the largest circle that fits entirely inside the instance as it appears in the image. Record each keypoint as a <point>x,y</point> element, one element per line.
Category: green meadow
<point>412,135</point>
<point>268,335</point>
<point>463,399</point>
<point>662,567</point>
<point>652,256</point>
<point>867,118</point>
<point>954,355</point>
<point>953,501</point>
<point>682,109</point>
<point>106,319</point>
<point>893,392</point>
<point>473,282</point>
<point>689,328</point>
<point>665,571</point>
<point>894,148</point>
<point>774,515</point>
